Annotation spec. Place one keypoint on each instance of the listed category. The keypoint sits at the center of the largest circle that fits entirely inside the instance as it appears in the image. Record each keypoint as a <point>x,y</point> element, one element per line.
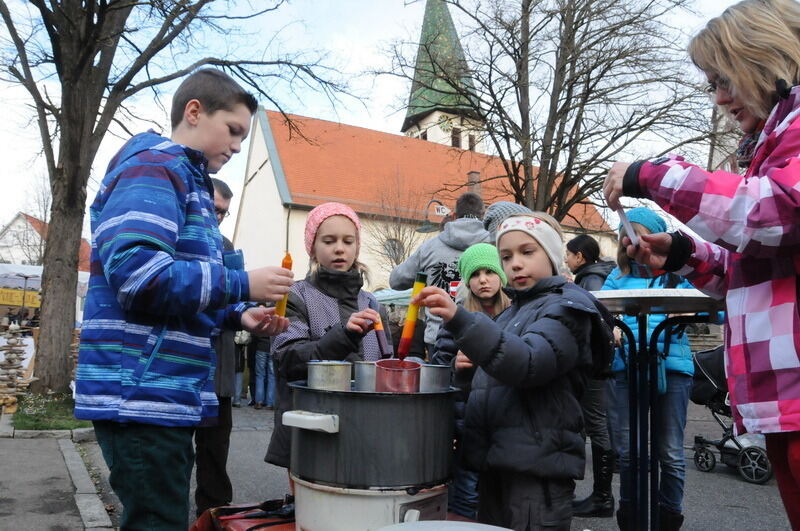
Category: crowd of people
<point>524,341</point>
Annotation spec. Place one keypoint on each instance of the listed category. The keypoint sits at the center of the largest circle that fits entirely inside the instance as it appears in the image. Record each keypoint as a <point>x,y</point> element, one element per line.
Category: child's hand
<point>463,362</point>
<point>437,301</point>
<point>363,321</point>
<point>269,283</point>
<point>262,321</point>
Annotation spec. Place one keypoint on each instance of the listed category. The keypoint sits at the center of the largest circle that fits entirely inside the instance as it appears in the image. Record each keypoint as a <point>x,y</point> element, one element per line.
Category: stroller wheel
<point>704,459</point>
<point>753,465</point>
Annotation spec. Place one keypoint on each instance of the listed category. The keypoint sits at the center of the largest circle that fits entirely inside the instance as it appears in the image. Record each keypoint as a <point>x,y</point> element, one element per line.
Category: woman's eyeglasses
<point>716,84</point>
<point>222,214</point>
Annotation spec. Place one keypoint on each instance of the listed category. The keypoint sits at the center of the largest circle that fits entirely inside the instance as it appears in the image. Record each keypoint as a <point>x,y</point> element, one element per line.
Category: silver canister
<point>329,375</point>
<point>434,378</point>
<point>365,376</point>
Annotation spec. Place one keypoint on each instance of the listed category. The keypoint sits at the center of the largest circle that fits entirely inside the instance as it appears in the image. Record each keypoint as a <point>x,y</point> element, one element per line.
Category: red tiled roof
<point>84,252</point>
<point>353,165</point>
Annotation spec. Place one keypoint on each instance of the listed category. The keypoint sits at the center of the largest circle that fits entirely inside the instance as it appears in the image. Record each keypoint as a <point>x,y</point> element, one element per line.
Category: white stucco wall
<point>436,134</point>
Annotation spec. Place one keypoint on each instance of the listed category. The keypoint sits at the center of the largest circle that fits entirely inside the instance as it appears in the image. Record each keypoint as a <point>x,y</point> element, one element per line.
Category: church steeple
<point>441,76</point>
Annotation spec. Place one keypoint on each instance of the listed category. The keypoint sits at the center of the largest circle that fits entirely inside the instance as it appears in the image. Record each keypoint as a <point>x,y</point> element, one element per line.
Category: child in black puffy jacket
<point>523,419</point>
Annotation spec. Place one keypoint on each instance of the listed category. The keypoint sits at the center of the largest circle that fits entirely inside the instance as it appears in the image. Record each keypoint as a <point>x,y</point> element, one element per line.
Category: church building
<point>391,180</point>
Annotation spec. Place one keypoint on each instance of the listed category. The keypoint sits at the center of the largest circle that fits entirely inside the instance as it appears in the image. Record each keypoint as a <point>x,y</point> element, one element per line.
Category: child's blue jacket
<point>680,354</point>
<point>158,290</point>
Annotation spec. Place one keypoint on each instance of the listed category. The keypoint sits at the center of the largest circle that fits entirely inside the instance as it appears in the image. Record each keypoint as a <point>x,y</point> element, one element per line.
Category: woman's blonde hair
<point>623,261</point>
<point>752,45</point>
<point>471,303</point>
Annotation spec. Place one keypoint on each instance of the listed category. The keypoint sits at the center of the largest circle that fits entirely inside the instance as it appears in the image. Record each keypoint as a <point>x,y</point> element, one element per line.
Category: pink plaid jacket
<point>752,259</point>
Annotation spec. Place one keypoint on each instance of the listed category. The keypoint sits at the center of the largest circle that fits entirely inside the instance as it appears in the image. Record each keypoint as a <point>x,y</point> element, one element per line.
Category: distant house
<point>23,239</point>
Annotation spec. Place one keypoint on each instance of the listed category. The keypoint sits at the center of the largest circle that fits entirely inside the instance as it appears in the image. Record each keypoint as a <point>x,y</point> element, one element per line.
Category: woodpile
<point>12,382</point>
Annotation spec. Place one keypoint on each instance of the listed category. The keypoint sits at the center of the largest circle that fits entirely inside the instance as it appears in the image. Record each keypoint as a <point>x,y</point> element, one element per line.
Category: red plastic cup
<point>397,376</point>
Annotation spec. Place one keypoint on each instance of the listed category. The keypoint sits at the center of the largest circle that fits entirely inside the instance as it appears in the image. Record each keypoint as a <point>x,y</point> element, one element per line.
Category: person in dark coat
<point>583,259</point>
<point>523,425</point>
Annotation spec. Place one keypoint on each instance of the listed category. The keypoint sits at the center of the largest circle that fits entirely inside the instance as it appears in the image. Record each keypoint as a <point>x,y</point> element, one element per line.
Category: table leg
<point>632,516</point>
<point>652,362</point>
<point>643,398</point>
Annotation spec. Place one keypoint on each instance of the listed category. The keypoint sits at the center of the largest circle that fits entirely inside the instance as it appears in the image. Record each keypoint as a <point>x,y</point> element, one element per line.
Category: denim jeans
<point>668,446</point>
<point>265,375</point>
<point>237,389</point>
<point>462,497</point>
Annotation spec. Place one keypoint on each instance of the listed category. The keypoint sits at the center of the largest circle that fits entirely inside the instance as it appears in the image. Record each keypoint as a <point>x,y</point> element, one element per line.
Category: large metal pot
<point>366,440</point>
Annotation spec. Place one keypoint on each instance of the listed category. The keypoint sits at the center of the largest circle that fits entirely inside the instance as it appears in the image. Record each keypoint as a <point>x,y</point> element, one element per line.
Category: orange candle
<point>383,345</point>
<point>280,306</point>
<point>411,317</point>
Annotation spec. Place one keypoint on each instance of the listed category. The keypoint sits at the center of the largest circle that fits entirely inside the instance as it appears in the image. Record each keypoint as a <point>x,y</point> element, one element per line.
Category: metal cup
<point>396,376</point>
<point>434,378</point>
<point>329,375</point>
<point>365,376</point>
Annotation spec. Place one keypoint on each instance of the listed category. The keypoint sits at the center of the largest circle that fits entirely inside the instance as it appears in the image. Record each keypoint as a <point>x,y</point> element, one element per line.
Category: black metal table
<point>642,370</point>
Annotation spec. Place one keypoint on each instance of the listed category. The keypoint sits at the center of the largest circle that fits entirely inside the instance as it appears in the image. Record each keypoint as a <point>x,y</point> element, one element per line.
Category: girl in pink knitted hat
<point>331,317</point>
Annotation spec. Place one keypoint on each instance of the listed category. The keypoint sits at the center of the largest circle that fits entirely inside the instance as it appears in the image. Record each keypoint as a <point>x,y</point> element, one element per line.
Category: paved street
<point>714,501</point>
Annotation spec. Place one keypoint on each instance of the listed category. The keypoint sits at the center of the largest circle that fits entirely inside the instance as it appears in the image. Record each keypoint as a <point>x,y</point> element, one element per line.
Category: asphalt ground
<point>713,501</point>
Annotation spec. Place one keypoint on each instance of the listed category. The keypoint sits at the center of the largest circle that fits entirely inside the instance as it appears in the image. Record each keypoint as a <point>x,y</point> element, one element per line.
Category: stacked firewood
<point>11,370</point>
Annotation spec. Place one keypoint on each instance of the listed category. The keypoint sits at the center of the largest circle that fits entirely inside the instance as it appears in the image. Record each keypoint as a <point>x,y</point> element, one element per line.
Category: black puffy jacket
<point>523,413</point>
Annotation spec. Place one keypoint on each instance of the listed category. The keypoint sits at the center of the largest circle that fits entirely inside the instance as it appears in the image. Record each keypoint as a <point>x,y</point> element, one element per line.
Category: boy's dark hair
<point>587,246</point>
<point>469,205</point>
<point>214,89</point>
<point>222,189</point>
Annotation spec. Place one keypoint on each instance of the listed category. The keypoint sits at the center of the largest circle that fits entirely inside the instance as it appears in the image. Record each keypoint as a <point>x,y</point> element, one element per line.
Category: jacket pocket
<point>149,353</point>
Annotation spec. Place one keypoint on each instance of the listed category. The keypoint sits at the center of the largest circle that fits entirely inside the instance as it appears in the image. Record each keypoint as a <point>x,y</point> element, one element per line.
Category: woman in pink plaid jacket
<point>750,247</point>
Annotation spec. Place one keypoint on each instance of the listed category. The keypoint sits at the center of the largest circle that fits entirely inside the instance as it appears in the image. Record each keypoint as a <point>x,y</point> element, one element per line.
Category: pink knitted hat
<point>321,213</point>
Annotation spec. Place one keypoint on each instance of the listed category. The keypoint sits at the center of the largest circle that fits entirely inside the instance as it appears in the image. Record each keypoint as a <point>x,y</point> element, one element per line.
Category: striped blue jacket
<point>158,290</point>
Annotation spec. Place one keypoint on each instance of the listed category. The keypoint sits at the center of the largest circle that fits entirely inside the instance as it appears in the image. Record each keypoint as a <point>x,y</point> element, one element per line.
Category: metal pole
<point>24,292</point>
<point>644,412</point>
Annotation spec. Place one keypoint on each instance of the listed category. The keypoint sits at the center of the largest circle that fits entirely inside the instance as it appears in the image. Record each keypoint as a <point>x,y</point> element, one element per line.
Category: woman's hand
<point>437,301</point>
<point>363,321</point>
<point>262,322</point>
<point>652,250</point>
<point>463,362</point>
<point>612,186</point>
<point>617,336</point>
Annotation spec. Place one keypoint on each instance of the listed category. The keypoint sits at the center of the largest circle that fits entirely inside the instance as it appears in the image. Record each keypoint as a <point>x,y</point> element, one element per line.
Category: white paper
<point>628,227</point>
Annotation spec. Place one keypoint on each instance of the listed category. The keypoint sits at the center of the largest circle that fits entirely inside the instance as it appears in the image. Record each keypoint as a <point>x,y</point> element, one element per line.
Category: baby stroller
<point>745,453</point>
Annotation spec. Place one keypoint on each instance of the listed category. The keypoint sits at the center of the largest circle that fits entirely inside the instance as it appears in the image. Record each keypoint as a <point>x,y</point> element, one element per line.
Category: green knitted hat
<point>480,256</point>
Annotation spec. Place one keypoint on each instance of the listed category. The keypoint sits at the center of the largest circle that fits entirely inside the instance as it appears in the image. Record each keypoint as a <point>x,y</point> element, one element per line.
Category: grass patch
<point>47,412</point>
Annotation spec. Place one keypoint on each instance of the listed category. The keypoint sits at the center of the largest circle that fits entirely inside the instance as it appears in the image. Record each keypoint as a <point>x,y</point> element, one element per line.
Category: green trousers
<point>151,470</point>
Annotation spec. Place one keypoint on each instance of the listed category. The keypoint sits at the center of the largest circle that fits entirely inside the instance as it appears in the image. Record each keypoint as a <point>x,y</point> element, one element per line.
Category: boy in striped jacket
<point>160,286</point>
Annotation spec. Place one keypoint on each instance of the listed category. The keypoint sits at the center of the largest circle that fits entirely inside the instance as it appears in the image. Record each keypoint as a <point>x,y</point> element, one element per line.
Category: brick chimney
<point>474,182</point>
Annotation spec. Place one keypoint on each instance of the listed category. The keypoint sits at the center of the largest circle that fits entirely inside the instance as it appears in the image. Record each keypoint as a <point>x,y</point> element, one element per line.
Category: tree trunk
<point>59,284</point>
<point>523,76</point>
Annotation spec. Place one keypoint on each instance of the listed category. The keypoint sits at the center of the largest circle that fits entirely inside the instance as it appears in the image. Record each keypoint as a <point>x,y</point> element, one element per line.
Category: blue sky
<point>355,33</point>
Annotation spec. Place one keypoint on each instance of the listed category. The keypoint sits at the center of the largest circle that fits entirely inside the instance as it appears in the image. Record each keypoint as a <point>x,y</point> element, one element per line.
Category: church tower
<point>438,107</point>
